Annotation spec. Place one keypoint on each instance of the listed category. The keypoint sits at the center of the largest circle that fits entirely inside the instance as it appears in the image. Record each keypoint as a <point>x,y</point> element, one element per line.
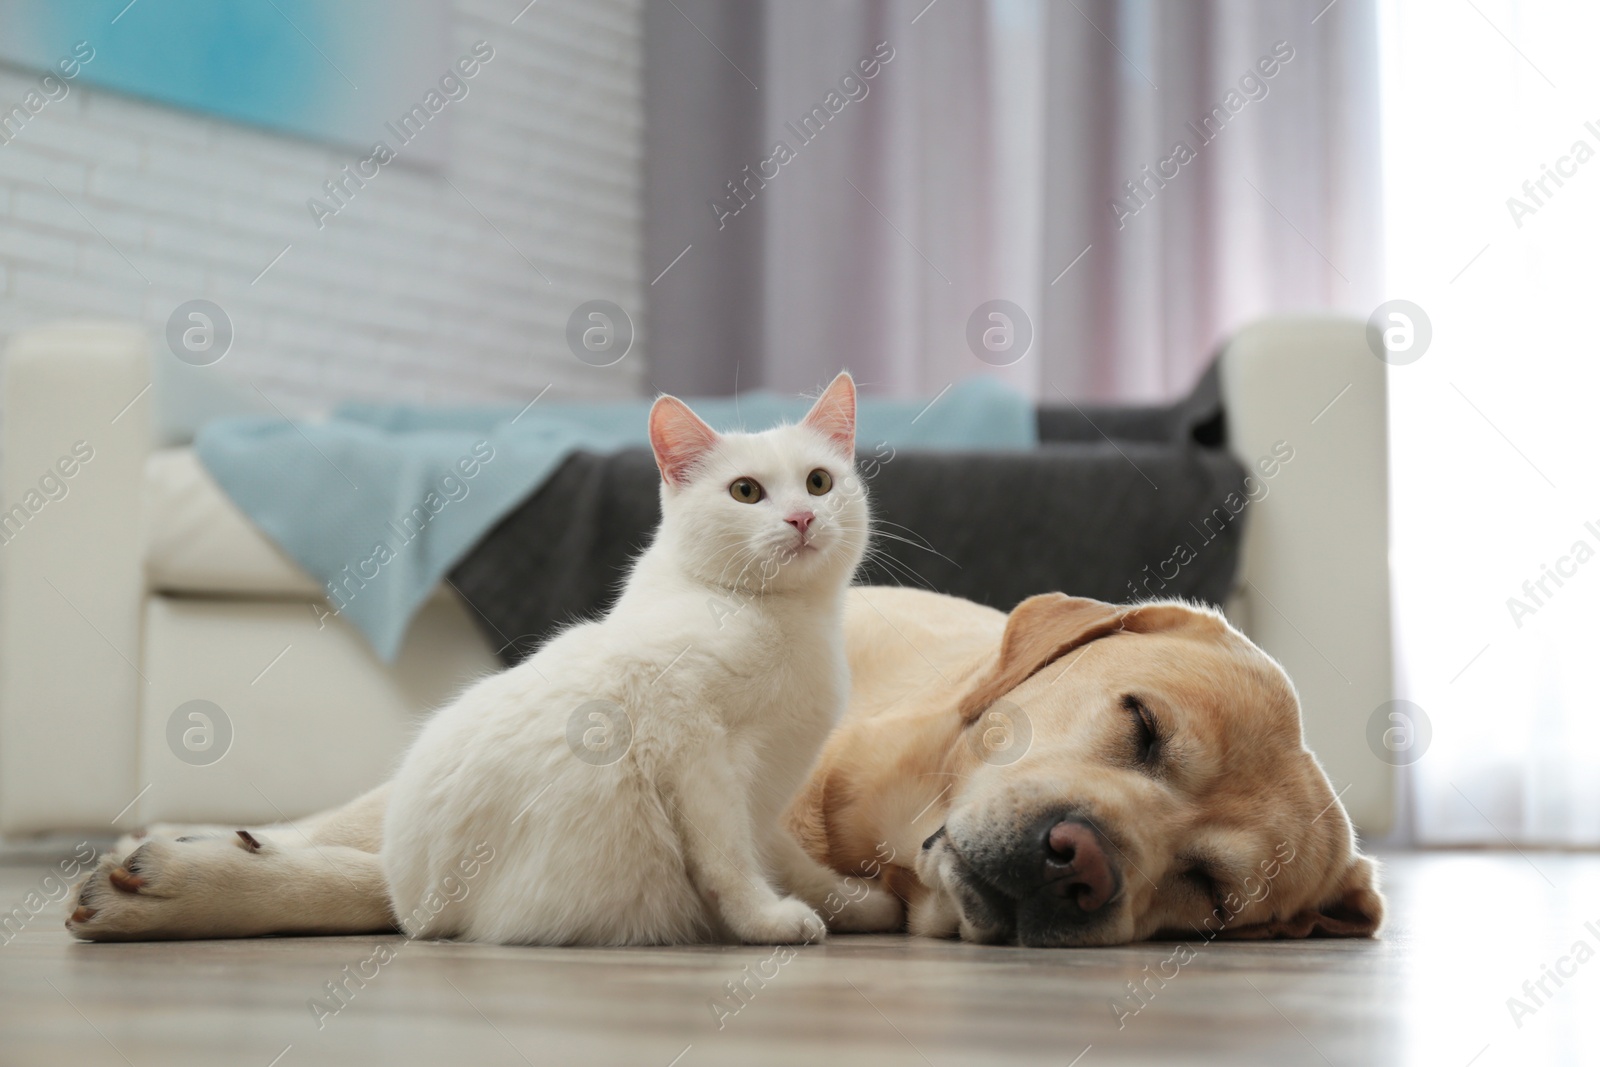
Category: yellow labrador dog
<point>1080,773</point>
<point>1075,773</point>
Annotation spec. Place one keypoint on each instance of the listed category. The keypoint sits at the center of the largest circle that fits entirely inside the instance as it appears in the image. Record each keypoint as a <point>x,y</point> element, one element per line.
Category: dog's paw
<point>786,921</point>
<point>169,831</point>
<point>934,914</point>
<point>151,892</point>
<point>128,842</point>
<point>121,897</point>
<point>879,911</point>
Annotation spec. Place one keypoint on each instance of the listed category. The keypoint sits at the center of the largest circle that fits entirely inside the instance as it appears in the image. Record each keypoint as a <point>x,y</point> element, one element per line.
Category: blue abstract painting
<point>331,71</point>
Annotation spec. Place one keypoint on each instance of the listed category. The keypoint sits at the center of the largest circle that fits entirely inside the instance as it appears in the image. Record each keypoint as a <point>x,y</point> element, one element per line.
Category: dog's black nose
<point>1075,866</point>
<point>1051,881</point>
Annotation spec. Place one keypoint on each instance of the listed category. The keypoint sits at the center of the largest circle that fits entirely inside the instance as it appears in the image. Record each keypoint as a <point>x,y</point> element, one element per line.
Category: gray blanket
<point>1081,513</point>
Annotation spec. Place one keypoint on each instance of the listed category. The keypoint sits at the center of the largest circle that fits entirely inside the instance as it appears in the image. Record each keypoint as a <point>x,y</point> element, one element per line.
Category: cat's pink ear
<point>834,413</point>
<point>679,439</point>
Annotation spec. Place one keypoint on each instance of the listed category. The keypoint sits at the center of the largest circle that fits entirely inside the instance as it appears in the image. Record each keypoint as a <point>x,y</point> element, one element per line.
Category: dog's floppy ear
<point>1355,909</point>
<point>1039,630</point>
<point>1171,615</point>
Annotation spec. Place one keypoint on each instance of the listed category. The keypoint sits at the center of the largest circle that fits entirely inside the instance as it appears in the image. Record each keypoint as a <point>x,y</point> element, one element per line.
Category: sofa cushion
<point>197,542</point>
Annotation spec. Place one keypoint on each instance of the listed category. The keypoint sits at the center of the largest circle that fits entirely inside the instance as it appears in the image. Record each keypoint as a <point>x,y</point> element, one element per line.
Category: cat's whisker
<point>914,544</point>
<point>876,521</point>
<point>887,536</point>
<point>762,554</point>
<point>742,556</point>
<point>897,568</point>
<point>901,576</point>
<point>735,551</point>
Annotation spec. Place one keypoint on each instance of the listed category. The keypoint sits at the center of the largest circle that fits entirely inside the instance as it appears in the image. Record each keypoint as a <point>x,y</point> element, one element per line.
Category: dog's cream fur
<point>1238,788</point>
<point>938,680</point>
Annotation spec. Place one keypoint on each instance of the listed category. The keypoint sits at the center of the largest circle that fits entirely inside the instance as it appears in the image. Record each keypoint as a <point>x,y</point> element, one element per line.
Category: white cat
<point>627,781</point>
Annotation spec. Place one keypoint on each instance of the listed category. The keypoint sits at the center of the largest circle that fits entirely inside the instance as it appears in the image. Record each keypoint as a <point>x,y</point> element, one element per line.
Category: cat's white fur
<point>726,654</point>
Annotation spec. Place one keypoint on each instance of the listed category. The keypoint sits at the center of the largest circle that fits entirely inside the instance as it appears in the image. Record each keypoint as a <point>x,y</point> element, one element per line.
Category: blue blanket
<point>378,503</point>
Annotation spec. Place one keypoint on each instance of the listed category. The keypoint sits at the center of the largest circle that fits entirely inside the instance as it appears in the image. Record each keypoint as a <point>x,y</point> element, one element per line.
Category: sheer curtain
<point>1016,150</point>
<point>1492,148</point>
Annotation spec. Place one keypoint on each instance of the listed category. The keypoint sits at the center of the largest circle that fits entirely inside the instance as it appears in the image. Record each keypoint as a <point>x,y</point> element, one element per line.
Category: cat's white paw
<point>782,922</point>
<point>879,912</point>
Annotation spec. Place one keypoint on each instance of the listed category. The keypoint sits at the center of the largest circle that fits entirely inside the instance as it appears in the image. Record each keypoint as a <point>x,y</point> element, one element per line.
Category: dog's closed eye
<point>1148,737</point>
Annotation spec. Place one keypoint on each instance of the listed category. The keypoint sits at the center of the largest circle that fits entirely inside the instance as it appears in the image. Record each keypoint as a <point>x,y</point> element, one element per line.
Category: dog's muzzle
<point>1051,883</point>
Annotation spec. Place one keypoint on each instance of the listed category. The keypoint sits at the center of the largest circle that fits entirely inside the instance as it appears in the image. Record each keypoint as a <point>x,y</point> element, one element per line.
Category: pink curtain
<point>1135,180</point>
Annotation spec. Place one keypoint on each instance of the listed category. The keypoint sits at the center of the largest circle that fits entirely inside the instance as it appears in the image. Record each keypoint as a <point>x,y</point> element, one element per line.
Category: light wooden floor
<point>1466,931</point>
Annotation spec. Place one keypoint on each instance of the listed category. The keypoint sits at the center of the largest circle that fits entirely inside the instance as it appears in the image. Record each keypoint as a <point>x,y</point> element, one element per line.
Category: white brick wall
<point>407,294</point>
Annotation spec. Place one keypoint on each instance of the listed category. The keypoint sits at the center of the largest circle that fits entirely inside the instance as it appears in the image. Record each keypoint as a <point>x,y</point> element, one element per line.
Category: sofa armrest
<point>1314,572</point>
<point>75,436</point>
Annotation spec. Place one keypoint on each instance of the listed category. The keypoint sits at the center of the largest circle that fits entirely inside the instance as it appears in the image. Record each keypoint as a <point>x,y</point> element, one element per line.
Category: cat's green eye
<point>745,490</point>
<point>819,482</point>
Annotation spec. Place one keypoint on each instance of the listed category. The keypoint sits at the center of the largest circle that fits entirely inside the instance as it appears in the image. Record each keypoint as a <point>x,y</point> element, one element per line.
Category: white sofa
<point>132,586</point>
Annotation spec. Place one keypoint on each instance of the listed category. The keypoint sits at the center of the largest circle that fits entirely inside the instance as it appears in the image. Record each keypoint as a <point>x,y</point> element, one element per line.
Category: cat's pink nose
<point>800,520</point>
